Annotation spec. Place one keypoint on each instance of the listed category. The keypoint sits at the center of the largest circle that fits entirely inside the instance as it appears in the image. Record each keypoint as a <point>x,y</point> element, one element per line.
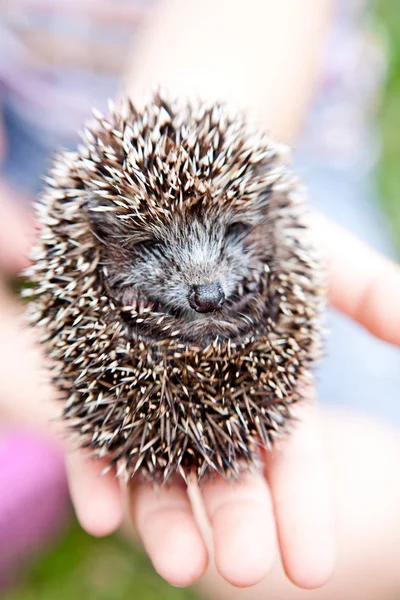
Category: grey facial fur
<point>188,251</point>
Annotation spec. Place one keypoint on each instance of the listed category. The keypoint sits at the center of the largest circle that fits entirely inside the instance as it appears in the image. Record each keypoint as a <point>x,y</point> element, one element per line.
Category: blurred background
<point>388,19</point>
<point>77,566</point>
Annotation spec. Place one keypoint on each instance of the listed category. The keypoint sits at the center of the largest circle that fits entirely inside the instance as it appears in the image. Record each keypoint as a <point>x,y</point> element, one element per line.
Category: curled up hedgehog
<point>178,295</point>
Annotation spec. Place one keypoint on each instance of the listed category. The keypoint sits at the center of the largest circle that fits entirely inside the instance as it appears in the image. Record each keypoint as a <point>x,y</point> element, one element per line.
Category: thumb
<point>17,230</point>
<point>27,397</point>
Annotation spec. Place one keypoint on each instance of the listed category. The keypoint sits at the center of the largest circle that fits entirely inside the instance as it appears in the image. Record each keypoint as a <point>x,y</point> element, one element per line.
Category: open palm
<point>286,505</point>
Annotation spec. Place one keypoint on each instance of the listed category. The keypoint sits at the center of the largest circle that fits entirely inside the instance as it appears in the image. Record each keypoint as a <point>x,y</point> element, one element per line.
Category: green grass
<point>84,568</point>
<point>389,117</point>
<point>88,569</point>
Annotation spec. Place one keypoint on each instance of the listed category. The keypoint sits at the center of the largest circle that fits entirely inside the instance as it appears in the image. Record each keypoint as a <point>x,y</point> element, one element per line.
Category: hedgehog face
<point>199,270</point>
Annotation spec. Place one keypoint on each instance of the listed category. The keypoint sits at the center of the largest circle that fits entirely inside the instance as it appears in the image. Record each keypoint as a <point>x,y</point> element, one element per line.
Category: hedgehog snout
<point>206,297</point>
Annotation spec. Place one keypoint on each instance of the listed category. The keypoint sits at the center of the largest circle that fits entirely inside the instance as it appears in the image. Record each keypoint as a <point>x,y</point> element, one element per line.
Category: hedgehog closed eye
<point>147,245</point>
<point>238,229</point>
<point>178,344</point>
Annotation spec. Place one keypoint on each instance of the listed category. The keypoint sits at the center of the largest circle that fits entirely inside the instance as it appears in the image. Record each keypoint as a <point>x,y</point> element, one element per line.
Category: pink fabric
<point>33,499</point>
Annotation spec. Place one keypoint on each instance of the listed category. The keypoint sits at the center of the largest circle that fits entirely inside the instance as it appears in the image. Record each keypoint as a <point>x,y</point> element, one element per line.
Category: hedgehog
<point>176,288</point>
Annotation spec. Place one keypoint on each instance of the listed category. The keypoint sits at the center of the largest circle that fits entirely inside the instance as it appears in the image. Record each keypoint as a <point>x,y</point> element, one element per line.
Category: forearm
<point>262,56</point>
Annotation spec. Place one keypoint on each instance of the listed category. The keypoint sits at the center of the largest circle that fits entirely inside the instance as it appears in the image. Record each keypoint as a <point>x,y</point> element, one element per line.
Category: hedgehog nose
<point>206,297</point>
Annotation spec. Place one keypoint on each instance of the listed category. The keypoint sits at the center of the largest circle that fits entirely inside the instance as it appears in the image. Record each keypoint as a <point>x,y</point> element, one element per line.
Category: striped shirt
<point>58,58</point>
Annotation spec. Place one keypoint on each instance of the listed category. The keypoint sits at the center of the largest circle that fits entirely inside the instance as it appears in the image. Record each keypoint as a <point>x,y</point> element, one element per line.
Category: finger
<point>241,517</point>
<point>26,394</point>
<point>362,283</point>
<point>17,230</point>
<point>164,520</point>
<point>96,497</point>
<point>298,476</point>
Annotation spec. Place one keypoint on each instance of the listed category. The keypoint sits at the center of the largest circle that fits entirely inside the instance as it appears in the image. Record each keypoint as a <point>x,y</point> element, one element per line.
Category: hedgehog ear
<point>265,198</point>
<point>101,216</point>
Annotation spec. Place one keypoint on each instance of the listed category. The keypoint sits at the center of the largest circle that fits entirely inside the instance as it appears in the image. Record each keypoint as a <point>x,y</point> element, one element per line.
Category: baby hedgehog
<point>178,296</point>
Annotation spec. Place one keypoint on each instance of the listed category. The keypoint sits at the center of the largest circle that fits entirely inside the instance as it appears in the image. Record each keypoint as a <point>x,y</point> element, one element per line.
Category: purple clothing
<point>33,499</point>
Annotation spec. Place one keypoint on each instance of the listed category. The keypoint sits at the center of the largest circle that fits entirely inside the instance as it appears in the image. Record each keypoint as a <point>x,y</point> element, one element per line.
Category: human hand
<point>17,230</point>
<point>288,504</point>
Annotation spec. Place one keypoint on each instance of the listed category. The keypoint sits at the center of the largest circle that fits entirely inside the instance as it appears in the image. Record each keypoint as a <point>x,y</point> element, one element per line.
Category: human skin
<point>260,56</point>
<point>363,458</point>
<point>17,229</point>
<point>293,487</point>
<point>16,222</point>
<point>254,517</point>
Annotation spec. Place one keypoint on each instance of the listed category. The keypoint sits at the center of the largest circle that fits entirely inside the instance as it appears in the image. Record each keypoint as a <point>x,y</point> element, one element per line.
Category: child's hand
<point>287,505</point>
<point>16,230</point>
